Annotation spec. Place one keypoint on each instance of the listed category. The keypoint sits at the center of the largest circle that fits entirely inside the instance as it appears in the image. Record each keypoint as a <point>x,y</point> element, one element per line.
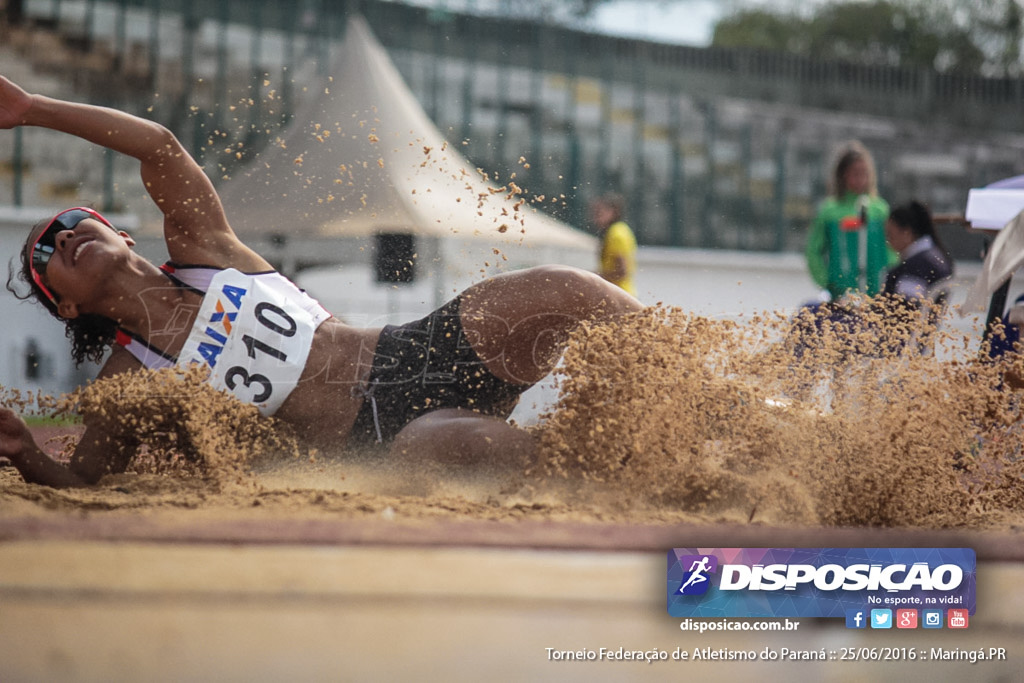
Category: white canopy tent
<point>363,159</point>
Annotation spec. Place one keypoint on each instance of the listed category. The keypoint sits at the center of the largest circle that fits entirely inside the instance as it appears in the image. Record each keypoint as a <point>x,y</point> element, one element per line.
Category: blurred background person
<point>618,244</point>
<point>918,282</point>
<point>846,249</point>
<point>924,262</point>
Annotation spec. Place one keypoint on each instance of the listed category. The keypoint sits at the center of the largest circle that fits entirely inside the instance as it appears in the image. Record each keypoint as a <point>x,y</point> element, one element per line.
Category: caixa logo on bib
<point>254,337</point>
<point>219,328</point>
<point>816,582</point>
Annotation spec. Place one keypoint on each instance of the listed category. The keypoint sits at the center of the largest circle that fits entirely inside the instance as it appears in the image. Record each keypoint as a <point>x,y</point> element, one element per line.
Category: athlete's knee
<point>564,278</point>
<point>584,293</point>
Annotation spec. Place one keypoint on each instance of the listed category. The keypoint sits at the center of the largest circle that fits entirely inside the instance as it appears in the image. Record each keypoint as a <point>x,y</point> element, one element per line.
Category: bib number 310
<point>277,321</point>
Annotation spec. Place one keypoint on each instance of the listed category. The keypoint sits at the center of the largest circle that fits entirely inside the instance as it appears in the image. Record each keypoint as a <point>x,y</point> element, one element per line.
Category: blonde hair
<point>845,156</point>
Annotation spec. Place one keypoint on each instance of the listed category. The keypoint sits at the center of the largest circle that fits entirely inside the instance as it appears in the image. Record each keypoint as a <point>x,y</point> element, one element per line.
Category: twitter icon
<point>881,618</point>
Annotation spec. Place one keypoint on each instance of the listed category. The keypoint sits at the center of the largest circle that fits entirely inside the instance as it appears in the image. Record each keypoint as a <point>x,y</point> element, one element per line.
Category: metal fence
<point>711,147</point>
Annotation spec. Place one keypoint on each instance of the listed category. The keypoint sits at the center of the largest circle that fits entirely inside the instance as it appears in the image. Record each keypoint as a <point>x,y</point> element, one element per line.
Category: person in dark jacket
<point>924,263</point>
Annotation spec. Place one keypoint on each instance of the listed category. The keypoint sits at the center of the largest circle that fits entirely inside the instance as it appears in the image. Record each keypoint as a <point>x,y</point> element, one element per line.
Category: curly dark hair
<point>90,334</point>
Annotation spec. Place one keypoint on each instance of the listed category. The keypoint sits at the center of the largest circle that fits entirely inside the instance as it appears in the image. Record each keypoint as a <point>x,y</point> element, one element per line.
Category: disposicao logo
<point>696,580</point>
<point>818,582</point>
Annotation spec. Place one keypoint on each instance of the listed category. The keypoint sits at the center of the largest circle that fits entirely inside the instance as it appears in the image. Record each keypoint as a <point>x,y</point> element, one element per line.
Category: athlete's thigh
<point>518,322</point>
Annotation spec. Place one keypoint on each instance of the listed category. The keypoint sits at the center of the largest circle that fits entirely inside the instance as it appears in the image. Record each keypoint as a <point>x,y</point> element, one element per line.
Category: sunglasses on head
<point>46,243</point>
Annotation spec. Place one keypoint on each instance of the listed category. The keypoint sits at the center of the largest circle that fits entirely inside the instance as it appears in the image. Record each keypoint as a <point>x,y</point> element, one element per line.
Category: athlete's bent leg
<point>454,436</point>
<point>518,323</point>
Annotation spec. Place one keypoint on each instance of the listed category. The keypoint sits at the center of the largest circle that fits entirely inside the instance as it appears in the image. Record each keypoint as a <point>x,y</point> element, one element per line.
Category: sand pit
<point>269,561</point>
<point>663,418</point>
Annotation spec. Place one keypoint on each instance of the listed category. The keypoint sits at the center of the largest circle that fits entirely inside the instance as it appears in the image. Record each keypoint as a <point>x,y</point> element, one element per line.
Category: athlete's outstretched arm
<point>96,454</point>
<point>195,225</point>
<point>17,444</point>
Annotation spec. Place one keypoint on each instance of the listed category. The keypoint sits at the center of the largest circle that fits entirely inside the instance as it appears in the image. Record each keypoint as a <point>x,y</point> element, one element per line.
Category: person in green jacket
<point>846,249</point>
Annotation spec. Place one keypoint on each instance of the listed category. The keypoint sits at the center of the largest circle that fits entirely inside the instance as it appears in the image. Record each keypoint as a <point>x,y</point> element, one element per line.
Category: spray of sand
<point>177,421</point>
<point>869,420</point>
<point>856,420</point>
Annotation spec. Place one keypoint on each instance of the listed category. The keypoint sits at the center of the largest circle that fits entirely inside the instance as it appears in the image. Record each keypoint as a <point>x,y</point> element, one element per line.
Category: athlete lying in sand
<point>438,388</point>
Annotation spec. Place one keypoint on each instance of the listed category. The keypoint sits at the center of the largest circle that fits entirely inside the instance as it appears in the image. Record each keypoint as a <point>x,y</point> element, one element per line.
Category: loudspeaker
<point>396,257</point>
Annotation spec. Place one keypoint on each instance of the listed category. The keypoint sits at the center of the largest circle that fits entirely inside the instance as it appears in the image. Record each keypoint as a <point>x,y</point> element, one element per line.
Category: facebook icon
<point>856,618</point>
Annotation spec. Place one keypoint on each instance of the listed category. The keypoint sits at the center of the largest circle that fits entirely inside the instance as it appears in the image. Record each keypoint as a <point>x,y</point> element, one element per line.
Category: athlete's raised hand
<point>14,103</point>
<point>14,434</point>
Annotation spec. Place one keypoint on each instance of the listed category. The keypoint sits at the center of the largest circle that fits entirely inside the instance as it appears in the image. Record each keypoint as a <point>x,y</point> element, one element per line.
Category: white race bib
<point>254,338</point>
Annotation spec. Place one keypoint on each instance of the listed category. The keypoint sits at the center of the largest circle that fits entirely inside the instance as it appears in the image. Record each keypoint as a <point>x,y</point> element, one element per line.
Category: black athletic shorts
<point>423,366</point>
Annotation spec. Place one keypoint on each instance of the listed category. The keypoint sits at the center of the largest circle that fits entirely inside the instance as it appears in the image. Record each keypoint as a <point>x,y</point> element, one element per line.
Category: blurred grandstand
<point>715,148</point>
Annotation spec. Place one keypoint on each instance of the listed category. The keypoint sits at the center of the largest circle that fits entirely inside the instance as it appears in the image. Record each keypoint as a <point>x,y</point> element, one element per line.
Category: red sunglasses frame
<point>37,277</point>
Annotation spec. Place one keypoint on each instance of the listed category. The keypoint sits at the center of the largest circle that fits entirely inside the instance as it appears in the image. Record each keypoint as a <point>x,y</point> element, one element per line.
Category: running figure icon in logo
<point>701,566</point>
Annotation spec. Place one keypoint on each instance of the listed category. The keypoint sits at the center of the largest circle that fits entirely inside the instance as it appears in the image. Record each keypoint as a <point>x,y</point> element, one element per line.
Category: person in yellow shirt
<point>618,244</point>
